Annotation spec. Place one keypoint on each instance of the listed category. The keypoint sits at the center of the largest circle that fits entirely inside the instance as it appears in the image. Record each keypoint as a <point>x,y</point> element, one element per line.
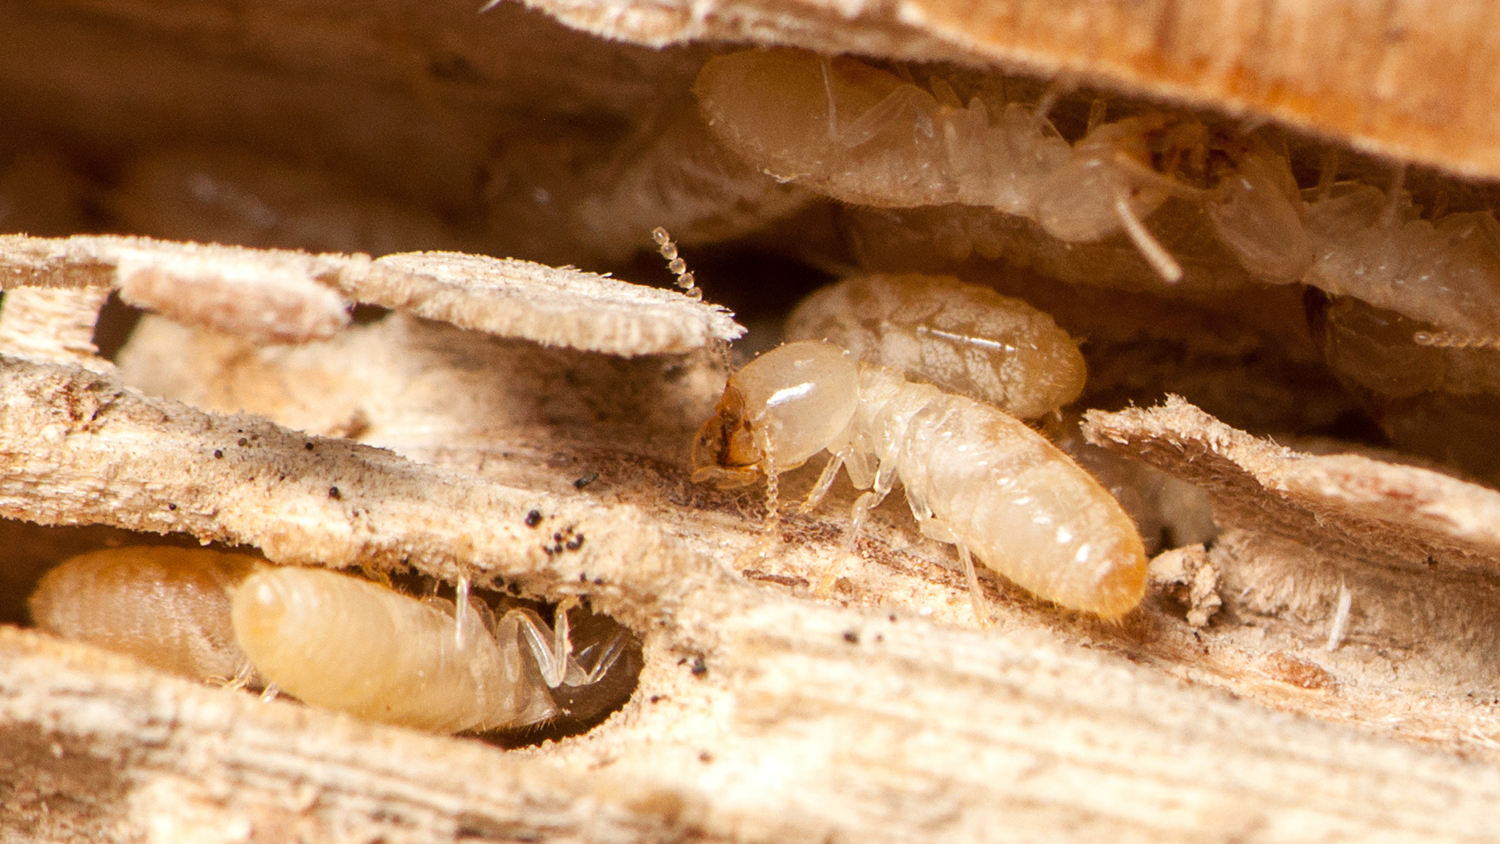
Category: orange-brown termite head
<point>778,411</point>
<point>725,451</point>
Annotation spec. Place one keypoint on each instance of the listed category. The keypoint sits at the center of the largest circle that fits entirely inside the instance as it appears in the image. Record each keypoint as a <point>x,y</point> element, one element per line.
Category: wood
<point>1412,81</point>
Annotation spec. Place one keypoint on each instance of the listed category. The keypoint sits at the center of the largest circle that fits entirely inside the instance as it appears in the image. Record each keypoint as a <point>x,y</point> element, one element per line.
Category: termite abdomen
<point>167,607</point>
<point>343,643</point>
<point>962,338</point>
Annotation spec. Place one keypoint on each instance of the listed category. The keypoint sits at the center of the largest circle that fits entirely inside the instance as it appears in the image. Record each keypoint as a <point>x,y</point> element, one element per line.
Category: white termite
<point>867,136</point>
<point>1383,351</point>
<point>329,639</point>
<point>1371,245</point>
<point>963,338</point>
<point>875,138</point>
<point>870,137</point>
<point>973,476</point>
<point>1435,400</point>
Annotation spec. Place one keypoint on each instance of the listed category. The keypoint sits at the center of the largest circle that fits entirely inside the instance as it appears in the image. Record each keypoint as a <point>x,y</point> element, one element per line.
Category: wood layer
<point>1414,80</point>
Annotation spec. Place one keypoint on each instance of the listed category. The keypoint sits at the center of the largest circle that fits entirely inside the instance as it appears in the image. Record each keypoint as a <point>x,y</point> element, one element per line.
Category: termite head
<point>777,412</point>
<point>725,451</point>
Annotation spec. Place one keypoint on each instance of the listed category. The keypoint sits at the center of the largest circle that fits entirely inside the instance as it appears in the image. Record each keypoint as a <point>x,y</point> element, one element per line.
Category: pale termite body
<point>326,638</point>
<point>974,476</point>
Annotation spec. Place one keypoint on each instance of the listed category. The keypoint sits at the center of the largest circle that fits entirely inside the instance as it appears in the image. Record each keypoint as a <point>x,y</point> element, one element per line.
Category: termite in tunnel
<point>326,638</point>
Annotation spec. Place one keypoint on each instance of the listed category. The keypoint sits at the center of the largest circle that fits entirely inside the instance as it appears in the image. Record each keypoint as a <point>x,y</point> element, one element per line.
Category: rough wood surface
<point>1412,80</point>
<point>1399,515</point>
<point>282,296</point>
<point>762,745</point>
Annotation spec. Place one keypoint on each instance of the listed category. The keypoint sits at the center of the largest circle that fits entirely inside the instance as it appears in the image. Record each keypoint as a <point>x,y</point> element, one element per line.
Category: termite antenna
<point>1444,340</point>
<point>490,5</point>
<point>675,264</point>
<point>1151,249</point>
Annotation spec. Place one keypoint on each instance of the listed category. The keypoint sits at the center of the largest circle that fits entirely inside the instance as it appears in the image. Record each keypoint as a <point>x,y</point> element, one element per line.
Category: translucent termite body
<point>1369,244</point>
<point>358,647</point>
<point>963,338</point>
<point>167,607</point>
<point>1376,349</point>
<point>329,639</point>
<point>1440,402</point>
<point>973,476</point>
<point>867,136</point>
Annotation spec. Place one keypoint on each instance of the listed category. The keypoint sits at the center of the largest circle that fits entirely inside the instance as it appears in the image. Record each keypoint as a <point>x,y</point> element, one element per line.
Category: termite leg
<point>553,649</point>
<point>1340,619</point>
<point>1151,249</point>
<point>944,93</point>
<point>826,67</point>
<point>1329,174</point>
<point>885,478</point>
<point>460,609</point>
<point>981,607</point>
<point>825,480</point>
<point>243,677</point>
<point>934,528</point>
<point>1063,84</point>
<point>1096,114</point>
<point>880,116</point>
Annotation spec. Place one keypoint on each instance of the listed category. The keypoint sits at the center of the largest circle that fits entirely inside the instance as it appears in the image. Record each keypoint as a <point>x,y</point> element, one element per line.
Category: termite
<point>868,136</point>
<point>1445,272</point>
<point>1382,351</point>
<point>963,338</point>
<point>864,135</point>
<point>1437,400</point>
<point>329,639</point>
<point>974,476</point>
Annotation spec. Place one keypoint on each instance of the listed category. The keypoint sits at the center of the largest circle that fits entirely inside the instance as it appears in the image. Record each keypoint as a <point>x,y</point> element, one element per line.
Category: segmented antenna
<point>1444,340</point>
<point>676,265</point>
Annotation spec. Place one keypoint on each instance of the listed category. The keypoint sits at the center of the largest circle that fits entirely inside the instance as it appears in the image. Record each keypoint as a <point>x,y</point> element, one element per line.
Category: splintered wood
<point>1398,515</point>
<point>281,296</point>
<point>554,307</point>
